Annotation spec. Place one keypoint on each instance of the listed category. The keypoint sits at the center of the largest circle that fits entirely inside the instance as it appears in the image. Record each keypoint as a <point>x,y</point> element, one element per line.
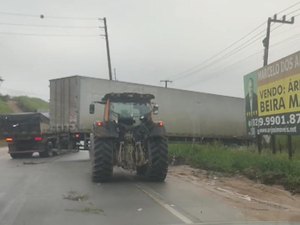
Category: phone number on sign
<point>275,120</point>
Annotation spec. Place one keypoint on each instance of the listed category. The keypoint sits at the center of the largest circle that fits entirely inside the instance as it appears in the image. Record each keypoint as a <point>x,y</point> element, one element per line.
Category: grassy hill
<point>29,104</point>
<point>4,108</point>
<point>22,103</point>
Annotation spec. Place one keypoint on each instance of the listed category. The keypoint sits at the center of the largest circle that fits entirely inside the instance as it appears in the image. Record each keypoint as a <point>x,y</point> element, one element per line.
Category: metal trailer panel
<point>64,104</point>
<point>185,113</point>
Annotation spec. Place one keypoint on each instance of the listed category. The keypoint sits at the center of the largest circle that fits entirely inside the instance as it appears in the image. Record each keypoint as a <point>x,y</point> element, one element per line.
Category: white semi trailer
<point>187,115</point>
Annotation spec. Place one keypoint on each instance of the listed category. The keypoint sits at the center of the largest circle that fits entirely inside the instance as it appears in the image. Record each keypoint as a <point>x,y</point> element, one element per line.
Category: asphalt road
<point>59,190</point>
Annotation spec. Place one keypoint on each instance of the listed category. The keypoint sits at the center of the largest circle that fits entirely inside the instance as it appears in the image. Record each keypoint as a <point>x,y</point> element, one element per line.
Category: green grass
<point>29,104</point>
<point>4,108</point>
<point>281,141</point>
<point>266,167</point>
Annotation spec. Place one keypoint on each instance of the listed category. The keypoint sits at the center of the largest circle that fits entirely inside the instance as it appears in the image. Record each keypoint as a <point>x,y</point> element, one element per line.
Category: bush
<point>29,104</point>
<point>4,108</point>
<point>266,167</point>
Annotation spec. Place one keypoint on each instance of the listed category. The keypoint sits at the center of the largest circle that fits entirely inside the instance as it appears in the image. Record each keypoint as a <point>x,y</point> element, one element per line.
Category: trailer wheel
<point>15,155</point>
<point>102,159</point>
<point>48,152</point>
<point>20,155</point>
<point>157,166</point>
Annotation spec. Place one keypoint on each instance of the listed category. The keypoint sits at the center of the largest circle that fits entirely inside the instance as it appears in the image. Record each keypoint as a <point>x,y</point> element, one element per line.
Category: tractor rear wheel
<point>141,170</point>
<point>157,159</point>
<point>102,159</point>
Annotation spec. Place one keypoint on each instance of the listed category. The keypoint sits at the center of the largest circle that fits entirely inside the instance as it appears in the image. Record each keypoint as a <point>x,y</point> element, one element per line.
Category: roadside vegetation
<point>266,167</point>
<point>30,104</point>
<point>4,108</point>
<point>25,103</point>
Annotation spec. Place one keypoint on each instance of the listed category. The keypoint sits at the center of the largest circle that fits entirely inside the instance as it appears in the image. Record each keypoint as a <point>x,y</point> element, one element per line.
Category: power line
<point>46,35</point>
<point>49,26</point>
<point>297,3</point>
<point>219,53</point>
<point>294,37</point>
<point>19,14</point>
<point>228,54</point>
<point>289,38</point>
<point>296,10</point>
<point>275,44</point>
<point>69,18</point>
<point>42,16</point>
<point>194,69</point>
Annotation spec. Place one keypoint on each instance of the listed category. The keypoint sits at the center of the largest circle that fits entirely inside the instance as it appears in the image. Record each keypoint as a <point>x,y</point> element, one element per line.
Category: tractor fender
<point>157,131</point>
<point>108,130</point>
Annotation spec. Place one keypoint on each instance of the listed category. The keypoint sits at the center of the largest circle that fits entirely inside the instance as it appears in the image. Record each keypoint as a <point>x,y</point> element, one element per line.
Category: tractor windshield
<point>129,109</point>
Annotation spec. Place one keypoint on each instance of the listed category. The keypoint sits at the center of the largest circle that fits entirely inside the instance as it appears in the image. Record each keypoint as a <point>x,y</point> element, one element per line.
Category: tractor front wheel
<point>157,166</point>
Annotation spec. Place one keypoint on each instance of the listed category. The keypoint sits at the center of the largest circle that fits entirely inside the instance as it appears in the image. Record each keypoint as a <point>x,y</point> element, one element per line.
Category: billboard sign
<point>272,98</point>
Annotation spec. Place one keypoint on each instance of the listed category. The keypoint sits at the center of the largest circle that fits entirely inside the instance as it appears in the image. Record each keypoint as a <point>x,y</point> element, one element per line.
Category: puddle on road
<point>75,196</point>
<point>89,210</point>
<point>32,163</point>
<point>89,207</point>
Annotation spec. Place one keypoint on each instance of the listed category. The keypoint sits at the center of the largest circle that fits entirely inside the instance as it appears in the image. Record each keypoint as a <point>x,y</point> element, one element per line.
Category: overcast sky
<point>149,40</point>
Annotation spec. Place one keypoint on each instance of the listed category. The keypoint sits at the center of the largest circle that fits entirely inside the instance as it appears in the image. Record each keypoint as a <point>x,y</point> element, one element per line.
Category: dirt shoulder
<point>13,105</point>
<point>256,200</point>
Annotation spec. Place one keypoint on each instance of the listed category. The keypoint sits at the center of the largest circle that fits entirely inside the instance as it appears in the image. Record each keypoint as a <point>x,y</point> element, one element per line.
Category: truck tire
<point>15,155</point>
<point>20,155</point>
<point>157,167</point>
<point>102,159</point>
<point>48,150</point>
<point>46,154</point>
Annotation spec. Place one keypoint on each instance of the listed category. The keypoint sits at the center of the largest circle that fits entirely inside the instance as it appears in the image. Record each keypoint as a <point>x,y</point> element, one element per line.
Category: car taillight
<point>160,123</point>
<point>38,138</point>
<point>99,124</point>
<point>9,139</point>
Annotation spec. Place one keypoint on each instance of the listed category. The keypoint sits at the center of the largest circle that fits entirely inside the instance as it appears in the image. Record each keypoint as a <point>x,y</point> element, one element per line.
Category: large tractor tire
<point>102,159</point>
<point>157,167</point>
<point>141,170</point>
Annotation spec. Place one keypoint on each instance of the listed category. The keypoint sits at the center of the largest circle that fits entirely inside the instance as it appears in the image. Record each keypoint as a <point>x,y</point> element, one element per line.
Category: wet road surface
<point>58,190</point>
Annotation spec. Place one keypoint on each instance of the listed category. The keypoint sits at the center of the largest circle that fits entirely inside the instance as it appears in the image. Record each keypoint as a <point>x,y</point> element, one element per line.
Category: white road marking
<point>168,207</point>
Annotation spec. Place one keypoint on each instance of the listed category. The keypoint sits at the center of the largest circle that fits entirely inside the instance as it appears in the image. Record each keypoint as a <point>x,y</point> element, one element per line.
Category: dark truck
<point>25,133</point>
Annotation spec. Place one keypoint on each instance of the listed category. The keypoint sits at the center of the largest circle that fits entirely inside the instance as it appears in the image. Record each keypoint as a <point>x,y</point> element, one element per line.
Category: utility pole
<point>115,73</point>
<point>107,47</point>
<point>166,82</point>
<point>266,43</point>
